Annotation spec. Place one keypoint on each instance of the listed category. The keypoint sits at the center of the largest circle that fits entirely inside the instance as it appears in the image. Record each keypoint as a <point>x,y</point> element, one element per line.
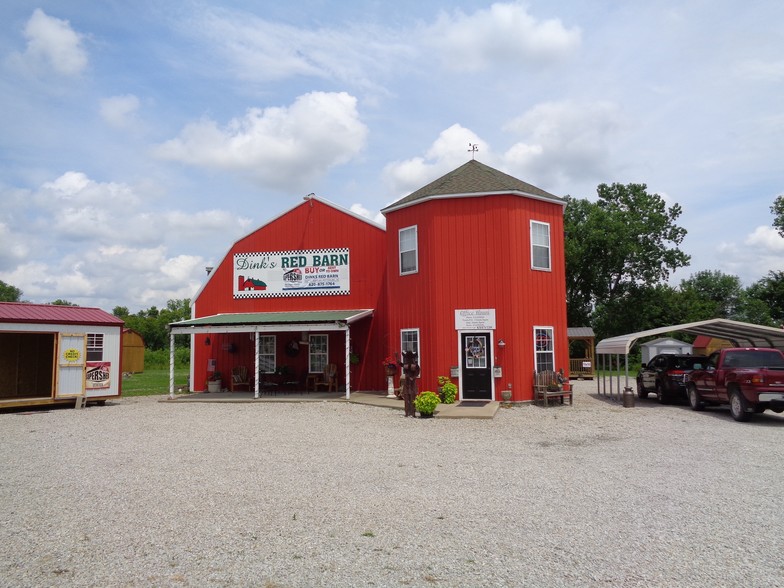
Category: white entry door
<point>71,358</point>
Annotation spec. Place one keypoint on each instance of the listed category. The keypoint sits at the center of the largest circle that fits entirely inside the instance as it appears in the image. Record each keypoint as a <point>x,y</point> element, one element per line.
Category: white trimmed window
<point>409,254</point>
<point>94,346</point>
<point>543,349</point>
<point>540,245</point>
<point>267,358</point>
<point>318,353</point>
<point>409,341</point>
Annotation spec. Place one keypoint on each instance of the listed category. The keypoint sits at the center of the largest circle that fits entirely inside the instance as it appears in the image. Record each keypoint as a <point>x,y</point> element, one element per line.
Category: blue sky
<point>138,140</point>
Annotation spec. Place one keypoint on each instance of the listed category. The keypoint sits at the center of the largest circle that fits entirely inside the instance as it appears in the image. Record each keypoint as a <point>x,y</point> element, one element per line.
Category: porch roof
<point>265,321</point>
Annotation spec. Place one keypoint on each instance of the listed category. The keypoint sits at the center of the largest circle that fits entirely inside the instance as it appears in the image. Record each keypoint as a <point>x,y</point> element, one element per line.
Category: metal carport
<point>738,333</point>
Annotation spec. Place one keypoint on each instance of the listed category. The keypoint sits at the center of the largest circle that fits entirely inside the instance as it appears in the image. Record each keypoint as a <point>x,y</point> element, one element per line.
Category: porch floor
<point>443,411</point>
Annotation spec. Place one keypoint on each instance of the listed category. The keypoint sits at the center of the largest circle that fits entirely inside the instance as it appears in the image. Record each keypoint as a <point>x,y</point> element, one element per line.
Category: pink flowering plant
<point>390,361</point>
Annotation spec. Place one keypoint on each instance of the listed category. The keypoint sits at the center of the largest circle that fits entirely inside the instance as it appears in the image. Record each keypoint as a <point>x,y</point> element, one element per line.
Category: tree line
<point>620,253</point>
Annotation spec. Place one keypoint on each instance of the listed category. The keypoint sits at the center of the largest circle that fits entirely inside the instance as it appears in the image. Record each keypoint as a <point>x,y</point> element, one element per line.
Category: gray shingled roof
<point>473,177</point>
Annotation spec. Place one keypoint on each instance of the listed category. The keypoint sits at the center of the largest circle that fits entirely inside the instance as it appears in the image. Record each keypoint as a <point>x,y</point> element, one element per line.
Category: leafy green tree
<point>778,214</point>
<point>770,291</point>
<point>61,302</point>
<point>9,293</point>
<point>152,324</point>
<point>628,239</point>
<point>639,308</point>
<point>716,294</point>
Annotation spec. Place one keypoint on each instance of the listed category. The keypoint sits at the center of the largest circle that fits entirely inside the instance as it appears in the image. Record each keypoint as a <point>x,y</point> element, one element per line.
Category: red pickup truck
<point>748,379</point>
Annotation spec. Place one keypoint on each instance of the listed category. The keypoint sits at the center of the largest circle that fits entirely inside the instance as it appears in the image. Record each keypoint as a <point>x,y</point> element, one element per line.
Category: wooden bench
<point>547,386</point>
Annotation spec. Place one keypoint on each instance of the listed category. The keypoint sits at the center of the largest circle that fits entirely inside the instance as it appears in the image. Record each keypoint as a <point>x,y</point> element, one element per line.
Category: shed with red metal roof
<point>53,354</point>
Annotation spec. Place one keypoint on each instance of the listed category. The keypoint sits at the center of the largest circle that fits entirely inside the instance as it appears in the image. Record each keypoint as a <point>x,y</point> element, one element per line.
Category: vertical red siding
<point>475,253</point>
<point>311,225</point>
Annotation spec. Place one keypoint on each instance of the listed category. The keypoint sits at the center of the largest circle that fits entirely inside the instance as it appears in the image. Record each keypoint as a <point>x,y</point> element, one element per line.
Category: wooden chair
<point>329,378</point>
<point>547,386</point>
<point>239,378</point>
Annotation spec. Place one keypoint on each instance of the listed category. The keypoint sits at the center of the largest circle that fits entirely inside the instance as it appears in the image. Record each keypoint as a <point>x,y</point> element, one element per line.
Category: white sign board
<point>291,273</point>
<point>475,319</point>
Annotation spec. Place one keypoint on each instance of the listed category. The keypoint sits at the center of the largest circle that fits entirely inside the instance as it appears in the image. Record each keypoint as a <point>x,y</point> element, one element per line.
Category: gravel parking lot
<point>142,493</point>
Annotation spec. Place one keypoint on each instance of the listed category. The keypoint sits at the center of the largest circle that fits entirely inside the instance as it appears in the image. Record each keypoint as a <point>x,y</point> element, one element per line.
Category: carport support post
<point>171,365</point>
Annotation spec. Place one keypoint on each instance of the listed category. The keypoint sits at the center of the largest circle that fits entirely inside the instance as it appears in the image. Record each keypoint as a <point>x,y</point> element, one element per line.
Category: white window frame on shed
<point>540,245</point>
<point>408,246</point>
<point>94,347</point>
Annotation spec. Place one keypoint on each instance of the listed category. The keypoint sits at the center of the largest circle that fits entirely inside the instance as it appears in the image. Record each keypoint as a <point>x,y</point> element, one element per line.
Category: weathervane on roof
<point>472,149</point>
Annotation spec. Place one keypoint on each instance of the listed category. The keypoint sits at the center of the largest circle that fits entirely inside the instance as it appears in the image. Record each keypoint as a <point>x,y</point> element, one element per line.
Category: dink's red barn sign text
<point>291,273</point>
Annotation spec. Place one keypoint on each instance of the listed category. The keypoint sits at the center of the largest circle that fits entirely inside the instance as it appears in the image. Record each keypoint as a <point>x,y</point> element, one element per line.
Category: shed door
<point>476,376</point>
<point>71,356</point>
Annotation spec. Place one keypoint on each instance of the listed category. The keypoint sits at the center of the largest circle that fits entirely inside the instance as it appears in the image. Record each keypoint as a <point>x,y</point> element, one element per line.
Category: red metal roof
<point>23,312</point>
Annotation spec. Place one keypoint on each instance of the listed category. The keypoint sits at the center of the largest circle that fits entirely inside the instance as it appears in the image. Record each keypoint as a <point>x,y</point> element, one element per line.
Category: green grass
<point>152,382</point>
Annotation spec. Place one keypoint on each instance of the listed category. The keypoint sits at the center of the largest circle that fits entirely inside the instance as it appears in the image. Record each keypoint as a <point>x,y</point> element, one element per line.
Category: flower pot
<point>391,369</point>
<point>506,395</point>
<point>425,415</point>
<point>214,386</point>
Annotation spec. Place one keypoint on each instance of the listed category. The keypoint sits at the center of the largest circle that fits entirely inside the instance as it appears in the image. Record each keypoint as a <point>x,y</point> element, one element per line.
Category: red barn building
<point>477,280</point>
<point>469,273</point>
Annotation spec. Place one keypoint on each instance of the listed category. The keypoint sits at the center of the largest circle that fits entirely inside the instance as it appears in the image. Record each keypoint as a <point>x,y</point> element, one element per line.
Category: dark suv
<point>667,374</point>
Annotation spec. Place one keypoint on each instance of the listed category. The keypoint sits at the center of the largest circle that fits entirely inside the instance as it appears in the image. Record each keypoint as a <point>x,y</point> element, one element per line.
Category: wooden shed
<point>53,354</point>
<point>582,364</point>
<point>133,352</point>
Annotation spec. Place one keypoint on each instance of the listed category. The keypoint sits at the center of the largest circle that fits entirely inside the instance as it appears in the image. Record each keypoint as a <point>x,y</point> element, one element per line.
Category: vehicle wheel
<point>738,406</point>
<point>694,399</point>
<point>641,393</point>
<point>664,396</point>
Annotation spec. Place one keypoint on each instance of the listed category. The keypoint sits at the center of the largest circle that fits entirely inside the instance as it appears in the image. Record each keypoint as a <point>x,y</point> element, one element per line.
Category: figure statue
<point>410,366</point>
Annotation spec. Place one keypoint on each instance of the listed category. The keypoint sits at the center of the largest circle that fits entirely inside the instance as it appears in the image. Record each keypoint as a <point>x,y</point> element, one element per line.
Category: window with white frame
<point>409,341</point>
<point>540,245</point>
<point>267,358</point>
<point>543,346</point>
<point>94,346</point>
<point>318,353</point>
<point>409,262</point>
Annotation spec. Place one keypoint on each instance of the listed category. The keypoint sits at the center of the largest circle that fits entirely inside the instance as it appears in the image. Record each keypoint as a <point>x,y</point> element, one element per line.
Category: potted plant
<point>426,403</point>
<point>447,390</point>
<point>390,364</point>
<point>214,383</point>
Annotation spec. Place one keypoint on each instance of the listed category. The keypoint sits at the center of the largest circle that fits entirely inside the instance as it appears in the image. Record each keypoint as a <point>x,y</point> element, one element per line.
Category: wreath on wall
<point>475,349</point>
<point>292,348</point>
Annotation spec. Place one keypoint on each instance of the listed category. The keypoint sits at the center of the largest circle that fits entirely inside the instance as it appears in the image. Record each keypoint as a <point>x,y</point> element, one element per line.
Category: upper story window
<point>94,346</point>
<point>409,263</point>
<point>540,245</point>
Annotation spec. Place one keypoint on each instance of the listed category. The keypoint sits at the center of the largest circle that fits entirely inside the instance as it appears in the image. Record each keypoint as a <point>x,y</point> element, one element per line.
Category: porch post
<point>256,364</point>
<point>171,365</point>
<point>348,362</point>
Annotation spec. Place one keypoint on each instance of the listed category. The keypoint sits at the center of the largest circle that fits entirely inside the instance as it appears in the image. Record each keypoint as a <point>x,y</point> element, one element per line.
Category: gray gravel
<point>142,493</point>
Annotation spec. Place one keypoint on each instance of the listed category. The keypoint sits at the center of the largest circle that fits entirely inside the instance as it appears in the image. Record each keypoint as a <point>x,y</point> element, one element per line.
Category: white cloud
<point>564,141</point>
<point>52,44</point>
<point>99,243</point>
<point>447,152</point>
<point>377,218</point>
<point>120,111</point>
<point>504,34</point>
<point>259,50</point>
<point>279,147</point>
